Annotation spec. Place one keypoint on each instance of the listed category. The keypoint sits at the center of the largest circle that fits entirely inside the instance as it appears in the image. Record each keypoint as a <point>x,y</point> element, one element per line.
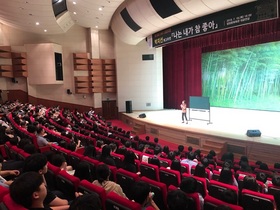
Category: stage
<point>219,125</point>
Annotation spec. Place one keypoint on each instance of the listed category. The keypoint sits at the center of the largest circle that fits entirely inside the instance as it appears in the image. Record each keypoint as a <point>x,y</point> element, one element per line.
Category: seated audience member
<point>157,151</point>
<point>171,155</point>
<point>250,183</point>
<point>103,174</point>
<point>200,171</point>
<point>176,165</point>
<point>90,151</point>
<point>227,177</point>
<point>276,180</point>
<point>189,185</point>
<point>38,163</point>
<point>229,196</point>
<point>177,199</point>
<point>86,202</point>
<point>264,166</point>
<point>106,157</point>
<point>228,156</point>
<point>29,190</point>
<point>143,195</point>
<point>83,171</point>
<point>190,161</point>
<point>262,177</point>
<point>30,149</point>
<point>205,162</point>
<point>60,161</point>
<point>41,140</point>
<point>165,151</point>
<point>154,161</point>
<point>23,142</point>
<point>129,162</point>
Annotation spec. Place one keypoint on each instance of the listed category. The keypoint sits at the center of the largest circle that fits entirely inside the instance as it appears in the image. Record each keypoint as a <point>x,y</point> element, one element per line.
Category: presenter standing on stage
<point>184,111</point>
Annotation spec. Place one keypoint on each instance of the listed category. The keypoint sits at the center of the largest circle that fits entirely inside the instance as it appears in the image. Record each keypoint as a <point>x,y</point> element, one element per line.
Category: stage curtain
<point>182,60</point>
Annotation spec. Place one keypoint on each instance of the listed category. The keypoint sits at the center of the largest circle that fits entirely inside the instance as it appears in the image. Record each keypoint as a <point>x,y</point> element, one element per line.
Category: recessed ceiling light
<point>96,26</point>
<point>101,8</point>
<point>74,2</point>
<point>74,13</point>
<point>45,30</point>
<point>37,23</point>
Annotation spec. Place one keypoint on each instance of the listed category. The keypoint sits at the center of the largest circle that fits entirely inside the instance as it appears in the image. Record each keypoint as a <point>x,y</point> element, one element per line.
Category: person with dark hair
<point>226,176</point>
<point>86,202</point>
<point>190,161</point>
<point>276,180</point>
<point>250,183</point>
<point>229,196</point>
<point>264,166</point>
<point>106,157</point>
<point>165,150</point>
<point>157,151</point>
<point>154,161</point>
<point>200,171</point>
<point>23,142</point>
<point>60,161</point>
<point>29,191</point>
<point>103,174</point>
<point>30,149</point>
<point>129,162</point>
<point>90,151</point>
<point>121,150</point>
<point>143,195</point>
<point>38,163</point>
<point>177,200</point>
<point>176,165</point>
<point>147,138</point>
<point>228,156</point>
<point>113,147</point>
<point>171,155</point>
<point>189,185</point>
<point>41,140</point>
<point>83,171</point>
<point>184,111</point>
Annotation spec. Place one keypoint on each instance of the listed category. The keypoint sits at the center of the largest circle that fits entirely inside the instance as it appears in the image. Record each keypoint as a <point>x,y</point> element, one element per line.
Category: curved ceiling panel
<point>145,16</point>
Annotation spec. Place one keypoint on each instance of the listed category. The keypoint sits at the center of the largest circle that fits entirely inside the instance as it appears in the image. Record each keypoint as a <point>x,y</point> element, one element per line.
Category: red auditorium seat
<point>201,184</point>
<point>216,189</point>
<point>185,168</point>
<point>10,204</point>
<point>149,170</point>
<point>169,177</point>
<point>67,184</point>
<point>75,158</point>
<point>3,191</point>
<point>160,190</point>
<point>115,201</point>
<point>211,203</point>
<point>193,199</point>
<point>118,159</point>
<point>126,179</point>
<point>86,187</point>
<point>256,201</point>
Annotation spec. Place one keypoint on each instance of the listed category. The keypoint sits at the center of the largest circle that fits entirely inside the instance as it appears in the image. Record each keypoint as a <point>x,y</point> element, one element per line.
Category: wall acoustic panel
<point>165,8</point>
<point>129,21</point>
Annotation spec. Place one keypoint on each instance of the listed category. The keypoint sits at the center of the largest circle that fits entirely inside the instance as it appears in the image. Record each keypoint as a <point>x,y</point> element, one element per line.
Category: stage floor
<point>224,122</point>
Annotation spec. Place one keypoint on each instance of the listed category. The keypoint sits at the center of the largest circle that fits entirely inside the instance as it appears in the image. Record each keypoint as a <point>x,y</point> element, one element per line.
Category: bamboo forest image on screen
<point>245,78</point>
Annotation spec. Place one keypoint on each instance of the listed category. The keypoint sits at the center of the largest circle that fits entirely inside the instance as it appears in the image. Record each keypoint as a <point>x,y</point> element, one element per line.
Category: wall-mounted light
<point>68,92</point>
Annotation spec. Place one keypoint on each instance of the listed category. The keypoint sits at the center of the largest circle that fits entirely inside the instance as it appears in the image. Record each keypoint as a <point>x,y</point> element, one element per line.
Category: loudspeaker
<point>253,133</point>
<point>143,115</point>
<point>128,106</point>
<point>68,91</point>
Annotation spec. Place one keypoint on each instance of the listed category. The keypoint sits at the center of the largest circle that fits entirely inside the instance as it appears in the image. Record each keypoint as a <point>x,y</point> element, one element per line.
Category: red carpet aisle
<point>125,127</point>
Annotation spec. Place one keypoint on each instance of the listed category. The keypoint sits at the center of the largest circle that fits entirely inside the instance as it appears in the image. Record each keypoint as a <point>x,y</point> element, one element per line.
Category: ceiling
<point>37,16</point>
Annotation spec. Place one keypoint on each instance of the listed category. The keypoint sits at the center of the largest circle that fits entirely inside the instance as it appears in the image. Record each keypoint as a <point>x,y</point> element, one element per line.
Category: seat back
<point>50,176</point>
<point>10,204</point>
<point>216,189</point>
<point>115,201</point>
<point>3,191</point>
<point>257,201</point>
<point>67,184</point>
<point>169,177</point>
<point>118,159</point>
<point>74,159</point>
<point>211,203</point>
<point>201,184</point>
<point>149,170</point>
<point>193,199</point>
<point>126,179</point>
<point>86,187</point>
<point>160,190</point>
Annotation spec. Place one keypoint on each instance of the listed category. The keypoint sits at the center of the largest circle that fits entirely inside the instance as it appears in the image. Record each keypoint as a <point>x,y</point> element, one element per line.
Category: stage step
<point>138,129</point>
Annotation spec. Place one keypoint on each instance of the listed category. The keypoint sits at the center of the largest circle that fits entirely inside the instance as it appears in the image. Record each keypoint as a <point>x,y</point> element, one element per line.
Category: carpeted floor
<point>162,142</point>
